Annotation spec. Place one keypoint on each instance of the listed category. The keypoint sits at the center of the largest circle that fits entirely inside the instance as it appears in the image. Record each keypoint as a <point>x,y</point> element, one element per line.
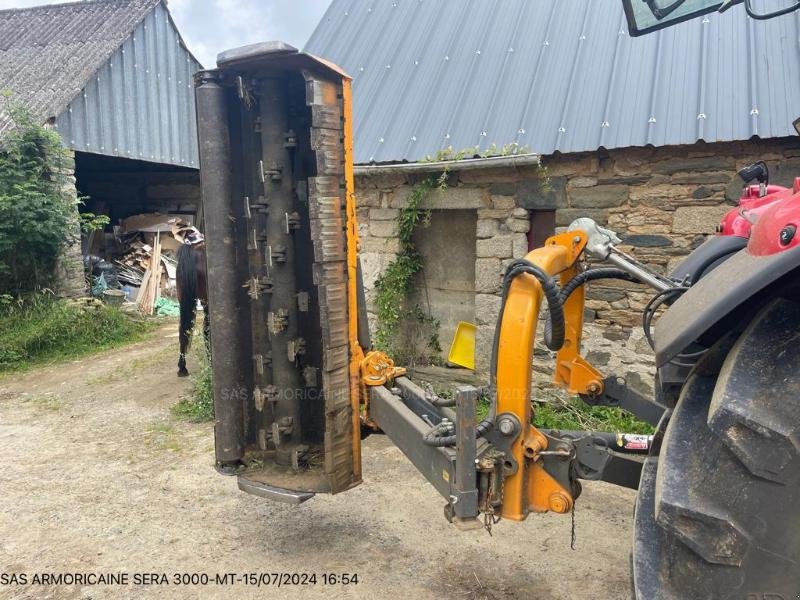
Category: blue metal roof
<point>555,76</point>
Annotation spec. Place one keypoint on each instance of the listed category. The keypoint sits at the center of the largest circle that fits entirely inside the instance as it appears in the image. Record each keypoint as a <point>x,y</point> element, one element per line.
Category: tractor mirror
<point>645,16</point>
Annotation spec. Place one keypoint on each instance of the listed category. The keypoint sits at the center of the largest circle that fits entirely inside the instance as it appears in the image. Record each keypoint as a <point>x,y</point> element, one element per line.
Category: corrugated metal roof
<point>555,75</point>
<point>140,103</point>
<point>115,75</point>
<point>48,53</point>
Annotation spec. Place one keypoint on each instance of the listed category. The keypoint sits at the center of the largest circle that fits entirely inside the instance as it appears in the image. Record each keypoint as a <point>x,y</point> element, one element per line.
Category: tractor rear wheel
<point>718,510</point>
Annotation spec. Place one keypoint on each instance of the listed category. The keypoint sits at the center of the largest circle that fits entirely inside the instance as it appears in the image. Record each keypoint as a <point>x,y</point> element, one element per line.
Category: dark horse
<point>192,285</point>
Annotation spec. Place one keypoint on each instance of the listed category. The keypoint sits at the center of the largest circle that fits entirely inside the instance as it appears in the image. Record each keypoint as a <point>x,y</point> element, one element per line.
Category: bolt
<point>560,502</point>
<point>593,388</point>
<point>506,426</point>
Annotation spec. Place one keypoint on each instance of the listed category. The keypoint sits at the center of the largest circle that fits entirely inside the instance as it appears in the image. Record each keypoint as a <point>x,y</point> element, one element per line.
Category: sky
<point>210,26</point>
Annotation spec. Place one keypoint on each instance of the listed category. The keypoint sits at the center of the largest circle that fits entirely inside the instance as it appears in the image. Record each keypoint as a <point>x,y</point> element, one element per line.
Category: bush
<point>38,215</point>
<point>42,329</point>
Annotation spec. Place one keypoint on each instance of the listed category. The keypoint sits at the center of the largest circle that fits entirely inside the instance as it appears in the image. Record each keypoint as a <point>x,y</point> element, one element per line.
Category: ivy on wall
<point>405,330</point>
<point>38,214</point>
<point>395,284</point>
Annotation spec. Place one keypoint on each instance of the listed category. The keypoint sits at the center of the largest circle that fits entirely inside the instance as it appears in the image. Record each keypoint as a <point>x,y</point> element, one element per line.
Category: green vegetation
<point>448,154</point>
<point>163,436</point>
<point>395,284</point>
<point>137,367</point>
<point>199,405</point>
<point>41,329</point>
<point>574,414</point>
<point>49,401</point>
<point>38,213</point>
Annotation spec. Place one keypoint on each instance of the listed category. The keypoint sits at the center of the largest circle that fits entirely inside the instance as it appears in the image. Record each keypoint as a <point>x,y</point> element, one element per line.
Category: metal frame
<point>405,414</point>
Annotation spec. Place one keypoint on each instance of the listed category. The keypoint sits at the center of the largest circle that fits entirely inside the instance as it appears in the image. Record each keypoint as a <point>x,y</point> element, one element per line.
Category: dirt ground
<point>97,476</point>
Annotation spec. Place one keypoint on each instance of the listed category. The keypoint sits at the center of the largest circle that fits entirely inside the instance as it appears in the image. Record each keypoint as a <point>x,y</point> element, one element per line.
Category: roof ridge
<point>74,3</point>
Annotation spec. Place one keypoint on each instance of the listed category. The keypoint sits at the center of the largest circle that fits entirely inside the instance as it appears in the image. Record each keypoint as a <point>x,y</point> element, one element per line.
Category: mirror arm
<point>748,5</point>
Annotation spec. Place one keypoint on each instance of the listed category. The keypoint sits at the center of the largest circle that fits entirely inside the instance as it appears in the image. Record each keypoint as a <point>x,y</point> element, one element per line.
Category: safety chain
<point>489,516</point>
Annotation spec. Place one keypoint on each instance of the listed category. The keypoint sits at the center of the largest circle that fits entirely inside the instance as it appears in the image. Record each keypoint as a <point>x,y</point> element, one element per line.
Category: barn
<point>114,78</point>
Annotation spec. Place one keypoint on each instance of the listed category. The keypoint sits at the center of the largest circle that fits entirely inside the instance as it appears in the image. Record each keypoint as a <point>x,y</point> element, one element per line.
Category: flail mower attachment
<point>277,197</point>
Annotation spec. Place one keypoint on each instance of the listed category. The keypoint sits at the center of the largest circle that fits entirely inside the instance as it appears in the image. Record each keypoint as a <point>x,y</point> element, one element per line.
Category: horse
<point>192,283</point>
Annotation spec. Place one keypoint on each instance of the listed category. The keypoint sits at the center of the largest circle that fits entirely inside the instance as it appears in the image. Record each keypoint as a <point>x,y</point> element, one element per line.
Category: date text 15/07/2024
<point>253,579</point>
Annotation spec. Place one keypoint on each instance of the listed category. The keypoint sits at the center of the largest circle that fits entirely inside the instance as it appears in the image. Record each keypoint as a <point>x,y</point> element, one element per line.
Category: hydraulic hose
<point>556,321</point>
<point>438,436</point>
<point>577,281</point>
<point>593,275</point>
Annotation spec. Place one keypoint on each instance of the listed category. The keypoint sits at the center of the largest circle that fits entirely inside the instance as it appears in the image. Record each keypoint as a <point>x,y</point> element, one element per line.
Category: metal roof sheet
<point>115,75</point>
<point>555,76</point>
<point>48,53</point>
<point>140,103</point>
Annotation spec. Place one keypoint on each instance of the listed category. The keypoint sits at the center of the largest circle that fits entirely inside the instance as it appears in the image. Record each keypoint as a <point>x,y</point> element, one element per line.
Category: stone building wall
<point>69,278</point>
<point>661,201</point>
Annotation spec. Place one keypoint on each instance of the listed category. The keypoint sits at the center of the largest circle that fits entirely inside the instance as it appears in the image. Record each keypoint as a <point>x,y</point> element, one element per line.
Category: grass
<point>41,329</point>
<point>49,402</point>
<point>571,414</point>
<point>133,368</point>
<point>199,405</point>
<point>164,436</point>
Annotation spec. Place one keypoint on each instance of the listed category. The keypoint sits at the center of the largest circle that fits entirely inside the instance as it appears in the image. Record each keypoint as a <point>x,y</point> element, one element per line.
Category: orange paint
<point>356,352</point>
<point>530,488</point>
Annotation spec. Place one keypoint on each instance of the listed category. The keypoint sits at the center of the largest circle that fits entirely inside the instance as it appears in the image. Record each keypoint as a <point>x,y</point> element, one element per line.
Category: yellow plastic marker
<point>462,350</point>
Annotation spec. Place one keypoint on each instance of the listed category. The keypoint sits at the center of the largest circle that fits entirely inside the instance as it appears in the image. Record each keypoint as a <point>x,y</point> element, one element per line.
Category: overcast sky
<point>210,26</point>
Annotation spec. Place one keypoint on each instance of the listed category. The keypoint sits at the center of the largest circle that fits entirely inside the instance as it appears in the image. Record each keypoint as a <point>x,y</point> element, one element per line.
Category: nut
<point>506,426</point>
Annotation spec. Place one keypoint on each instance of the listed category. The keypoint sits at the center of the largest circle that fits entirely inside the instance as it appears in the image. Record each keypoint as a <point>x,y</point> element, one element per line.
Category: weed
<point>40,329</point>
<point>164,436</point>
<point>199,405</point>
<point>131,369</point>
<point>49,402</point>
<point>575,415</point>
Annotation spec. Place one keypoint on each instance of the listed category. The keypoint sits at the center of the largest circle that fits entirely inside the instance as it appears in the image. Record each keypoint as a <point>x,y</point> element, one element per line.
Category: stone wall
<point>661,201</point>
<point>500,233</point>
<point>69,277</point>
<point>121,195</point>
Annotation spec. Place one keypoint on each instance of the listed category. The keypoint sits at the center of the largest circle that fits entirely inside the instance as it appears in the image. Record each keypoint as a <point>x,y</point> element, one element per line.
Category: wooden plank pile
<point>150,289</point>
<point>138,256</point>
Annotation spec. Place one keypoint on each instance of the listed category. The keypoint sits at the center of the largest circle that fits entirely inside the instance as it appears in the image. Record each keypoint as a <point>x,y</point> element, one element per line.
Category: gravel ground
<point>97,476</point>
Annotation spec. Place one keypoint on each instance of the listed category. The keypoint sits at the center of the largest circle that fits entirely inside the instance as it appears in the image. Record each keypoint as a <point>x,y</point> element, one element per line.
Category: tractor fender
<point>720,300</point>
<point>707,257</point>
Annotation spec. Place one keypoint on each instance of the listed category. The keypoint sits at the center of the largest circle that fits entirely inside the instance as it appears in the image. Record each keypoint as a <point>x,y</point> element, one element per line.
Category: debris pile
<point>141,261</point>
